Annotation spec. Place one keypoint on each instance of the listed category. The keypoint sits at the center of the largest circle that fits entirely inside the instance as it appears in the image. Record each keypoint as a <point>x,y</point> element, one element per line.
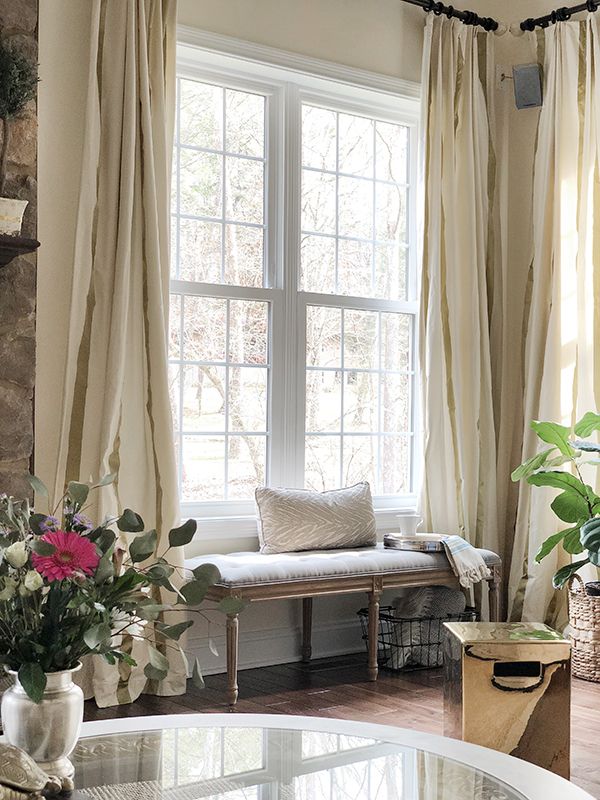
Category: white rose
<point>16,555</point>
<point>24,591</point>
<point>33,580</point>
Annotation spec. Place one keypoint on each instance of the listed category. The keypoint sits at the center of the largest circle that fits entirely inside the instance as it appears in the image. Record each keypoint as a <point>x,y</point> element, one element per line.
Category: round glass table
<point>262,757</point>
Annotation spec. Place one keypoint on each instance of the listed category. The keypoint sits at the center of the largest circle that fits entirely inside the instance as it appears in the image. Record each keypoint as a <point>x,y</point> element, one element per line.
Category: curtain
<point>459,481</point>
<point>562,366</point>
<point>115,407</point>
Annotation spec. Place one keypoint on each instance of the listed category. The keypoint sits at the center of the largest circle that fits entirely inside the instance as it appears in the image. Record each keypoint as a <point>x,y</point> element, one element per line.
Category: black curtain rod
<point>560,15</point>
<point>468,17</point>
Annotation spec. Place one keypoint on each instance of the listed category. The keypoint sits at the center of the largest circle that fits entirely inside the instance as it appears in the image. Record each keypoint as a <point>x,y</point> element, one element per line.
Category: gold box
<point>508,687</point>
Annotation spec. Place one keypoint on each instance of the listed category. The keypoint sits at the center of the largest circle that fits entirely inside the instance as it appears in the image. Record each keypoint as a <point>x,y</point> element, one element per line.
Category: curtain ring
<point>429,7</point>
<point>438,9</point>
<point>529,24</point>
<point>592,6</point>
<point>449,12</point>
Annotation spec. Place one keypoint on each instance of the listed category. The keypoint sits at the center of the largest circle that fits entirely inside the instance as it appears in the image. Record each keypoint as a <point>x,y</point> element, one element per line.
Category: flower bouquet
<point>71,588</point>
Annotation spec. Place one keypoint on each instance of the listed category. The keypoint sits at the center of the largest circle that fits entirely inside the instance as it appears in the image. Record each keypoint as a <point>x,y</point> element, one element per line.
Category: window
<point>293,291</point>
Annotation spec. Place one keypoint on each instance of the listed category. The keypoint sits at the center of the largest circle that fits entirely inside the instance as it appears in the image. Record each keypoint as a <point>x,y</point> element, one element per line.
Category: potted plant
<point>577,504</point>
<point>70,588</point>
<point>18,81</point>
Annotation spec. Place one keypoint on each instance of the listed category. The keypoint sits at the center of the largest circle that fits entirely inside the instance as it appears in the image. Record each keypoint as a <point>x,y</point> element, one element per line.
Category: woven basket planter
<point>584,620</point>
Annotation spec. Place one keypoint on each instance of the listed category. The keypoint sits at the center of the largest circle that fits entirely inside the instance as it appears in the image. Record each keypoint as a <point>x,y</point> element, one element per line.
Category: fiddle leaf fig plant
<point>558,466</point>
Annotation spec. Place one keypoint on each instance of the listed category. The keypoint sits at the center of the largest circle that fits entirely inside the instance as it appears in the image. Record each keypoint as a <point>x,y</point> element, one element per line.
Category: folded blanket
<point>467,564</point>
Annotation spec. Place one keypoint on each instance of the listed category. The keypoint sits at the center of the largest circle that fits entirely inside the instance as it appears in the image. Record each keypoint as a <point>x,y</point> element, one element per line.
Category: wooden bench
<point>253,577</point>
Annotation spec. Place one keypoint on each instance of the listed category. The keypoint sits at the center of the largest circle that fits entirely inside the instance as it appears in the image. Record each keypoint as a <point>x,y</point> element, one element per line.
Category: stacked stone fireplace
<point>18,25</point>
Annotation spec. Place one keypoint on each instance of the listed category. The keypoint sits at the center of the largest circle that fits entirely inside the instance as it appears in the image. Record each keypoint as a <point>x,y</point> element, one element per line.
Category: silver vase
<point>47,731</point>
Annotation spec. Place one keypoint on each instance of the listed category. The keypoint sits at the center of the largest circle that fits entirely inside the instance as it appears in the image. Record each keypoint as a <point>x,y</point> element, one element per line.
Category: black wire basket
<point>410,643</point>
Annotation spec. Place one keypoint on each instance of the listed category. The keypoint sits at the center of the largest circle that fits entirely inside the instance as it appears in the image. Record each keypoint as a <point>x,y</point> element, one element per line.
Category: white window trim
<point>289,79</point>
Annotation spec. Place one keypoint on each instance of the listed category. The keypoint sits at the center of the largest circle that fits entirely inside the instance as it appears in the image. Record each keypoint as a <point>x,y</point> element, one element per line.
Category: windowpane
<point>323,336</point>
<point>365,398</point>
<point>244,190</point>
<point>323,401</point>
<point>355,192</point>
<point>247,399</point>
<point>200,114</point>
<point>318,202</point>
<point>246,460</point>
<point>322,470</point>
<point>199,251</point>
<point>245,115</point>
<point>244,255</point>
<point>203,399</point>
<point>319,138</point>
<point>248,332</point>
<point>175,326</point>
<point>203,468</point>
<point>391,154</point>
<point>356,154</point>
<point>200,183</point>
<point>204,329</point>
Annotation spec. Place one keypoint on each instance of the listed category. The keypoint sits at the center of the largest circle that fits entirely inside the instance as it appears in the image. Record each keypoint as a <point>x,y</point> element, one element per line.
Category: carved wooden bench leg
<point>232,659</point>
<point>374,597</point>
<point>307,607</point>
<point>495,585</point>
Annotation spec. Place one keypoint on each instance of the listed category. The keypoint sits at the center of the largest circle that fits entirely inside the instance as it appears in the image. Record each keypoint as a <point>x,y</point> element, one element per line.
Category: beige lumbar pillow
<point>295,519</point>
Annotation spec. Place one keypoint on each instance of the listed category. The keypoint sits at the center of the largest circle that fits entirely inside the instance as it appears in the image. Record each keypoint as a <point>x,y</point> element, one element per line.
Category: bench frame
<point>307,588</point>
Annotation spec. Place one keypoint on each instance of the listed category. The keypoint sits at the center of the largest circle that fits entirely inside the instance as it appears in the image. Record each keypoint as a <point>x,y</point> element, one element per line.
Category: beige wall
<point>378,35</point>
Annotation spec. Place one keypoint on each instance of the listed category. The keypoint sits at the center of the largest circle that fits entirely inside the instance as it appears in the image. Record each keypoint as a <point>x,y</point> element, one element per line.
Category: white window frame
<point>287,81</point>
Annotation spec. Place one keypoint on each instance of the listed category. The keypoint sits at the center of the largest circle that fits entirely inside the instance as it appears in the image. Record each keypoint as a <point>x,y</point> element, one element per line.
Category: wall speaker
<point>528,85</point>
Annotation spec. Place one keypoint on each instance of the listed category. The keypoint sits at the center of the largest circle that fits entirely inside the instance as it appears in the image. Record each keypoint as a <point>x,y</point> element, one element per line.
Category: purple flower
<point>49,524</point>
<point>81,521</point>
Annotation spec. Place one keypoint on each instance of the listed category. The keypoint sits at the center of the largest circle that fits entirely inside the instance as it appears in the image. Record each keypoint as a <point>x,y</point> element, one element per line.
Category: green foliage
<point>577,502</point>
<point>18,81</point>
<point>49,622</point>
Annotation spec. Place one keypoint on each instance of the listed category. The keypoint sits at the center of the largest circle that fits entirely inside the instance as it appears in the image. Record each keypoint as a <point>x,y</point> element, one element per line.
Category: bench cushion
<point>244,569</point>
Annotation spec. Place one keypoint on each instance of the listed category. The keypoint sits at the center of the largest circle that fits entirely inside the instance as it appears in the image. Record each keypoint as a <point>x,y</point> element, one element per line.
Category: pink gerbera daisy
<point>73,554</point>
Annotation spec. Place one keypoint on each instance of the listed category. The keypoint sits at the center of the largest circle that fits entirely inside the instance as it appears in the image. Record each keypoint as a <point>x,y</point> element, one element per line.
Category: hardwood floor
<point>338,688</point>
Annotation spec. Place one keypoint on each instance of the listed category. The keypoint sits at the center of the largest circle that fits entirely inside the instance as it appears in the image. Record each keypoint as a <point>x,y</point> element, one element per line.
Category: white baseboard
<point>280,645</point>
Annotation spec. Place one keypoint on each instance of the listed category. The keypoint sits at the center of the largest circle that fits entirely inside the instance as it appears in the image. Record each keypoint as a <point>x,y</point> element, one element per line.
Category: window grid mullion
<point>227,351</point>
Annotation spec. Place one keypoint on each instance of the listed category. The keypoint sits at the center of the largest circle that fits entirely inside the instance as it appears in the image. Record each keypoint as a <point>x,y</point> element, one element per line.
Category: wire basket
<point>410,643</point>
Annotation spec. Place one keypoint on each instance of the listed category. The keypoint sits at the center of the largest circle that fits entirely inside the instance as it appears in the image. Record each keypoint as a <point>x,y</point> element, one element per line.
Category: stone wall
<point>19,24</point>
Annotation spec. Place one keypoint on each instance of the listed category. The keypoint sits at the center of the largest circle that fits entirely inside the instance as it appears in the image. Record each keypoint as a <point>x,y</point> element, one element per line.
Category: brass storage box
<point>508,687</point>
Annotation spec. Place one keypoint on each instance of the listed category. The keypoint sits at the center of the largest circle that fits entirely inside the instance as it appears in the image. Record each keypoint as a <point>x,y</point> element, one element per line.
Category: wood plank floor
<point>337,688</point>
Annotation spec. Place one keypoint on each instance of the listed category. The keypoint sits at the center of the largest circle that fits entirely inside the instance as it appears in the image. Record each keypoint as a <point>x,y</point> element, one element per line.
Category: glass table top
<point>227,762</point>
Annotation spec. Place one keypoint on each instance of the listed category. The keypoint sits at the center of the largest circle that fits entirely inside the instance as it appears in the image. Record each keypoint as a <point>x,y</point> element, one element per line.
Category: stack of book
<point>423,542</point>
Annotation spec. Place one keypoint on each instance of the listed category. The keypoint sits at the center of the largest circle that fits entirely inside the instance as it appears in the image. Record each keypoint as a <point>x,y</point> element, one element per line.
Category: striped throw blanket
<point>467,564</point>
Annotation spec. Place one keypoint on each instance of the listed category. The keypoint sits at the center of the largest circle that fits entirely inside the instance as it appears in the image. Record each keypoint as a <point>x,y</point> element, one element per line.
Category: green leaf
<point>42,548</point>
<point>130,522</point>
<point>553,433</point>
<point>550,543</point>
<point>96,635</point>
<point>159,572</point>
<point>558,480</point>
<point>178,537</point>
<point>143,546</point>
<point>563,575</point>
<point>158,665</point>
<point>33,680</point>
<point>570,507</point>
<point>194,592</point>
<point>231,605</point>
<point>532,464</point>
<point>105,569</point>
<point>35,522</point>
<point>78,492</point>
<point>207,572</point>
<point>589,423</point>
<point>197,678</point>
<point>37,485</point>
<point>151,611</point>
<point>106,480</point>
<point>174,631</point>
<point>572,542</point>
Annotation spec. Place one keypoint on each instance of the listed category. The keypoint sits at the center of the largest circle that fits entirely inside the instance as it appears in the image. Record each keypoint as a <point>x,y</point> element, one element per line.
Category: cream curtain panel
<point>459,481</point>
<point>562,368</point>
<point>116,415</point>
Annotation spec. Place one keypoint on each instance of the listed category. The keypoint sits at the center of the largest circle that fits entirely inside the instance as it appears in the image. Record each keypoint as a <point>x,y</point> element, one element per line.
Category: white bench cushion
<point>243,569</point>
